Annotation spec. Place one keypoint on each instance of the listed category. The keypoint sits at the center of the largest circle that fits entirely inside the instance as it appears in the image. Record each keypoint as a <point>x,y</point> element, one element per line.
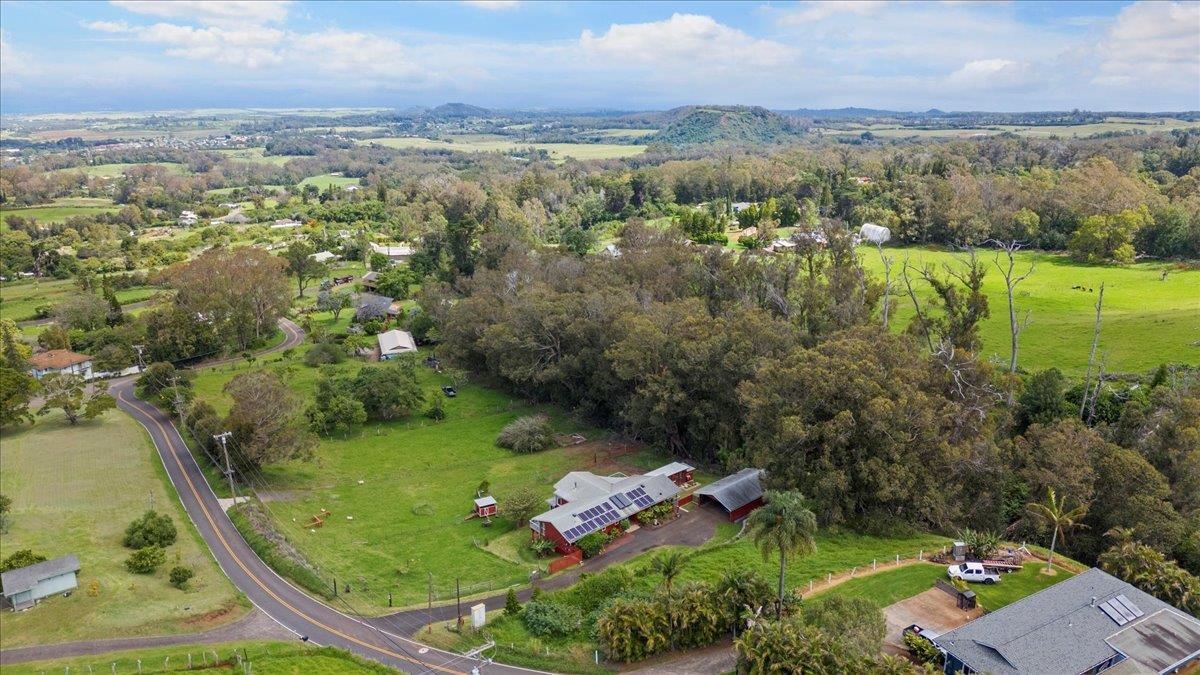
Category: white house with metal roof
<point>25,586</point>
<point>395,342</point>
<point>1090,623</point>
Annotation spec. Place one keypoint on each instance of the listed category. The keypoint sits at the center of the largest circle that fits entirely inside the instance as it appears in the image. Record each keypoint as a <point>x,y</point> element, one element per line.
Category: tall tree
<point>302,265</point>
<point>16,392</point>
<point>238,293</point>
<point>266,420</point>
<point>783,524</point>
<point>68,392</point>
<point>1011,280</point>
<point>1054,514</point>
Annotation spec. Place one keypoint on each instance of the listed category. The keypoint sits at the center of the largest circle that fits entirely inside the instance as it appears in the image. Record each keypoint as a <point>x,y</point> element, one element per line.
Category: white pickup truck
<point>972,571</point>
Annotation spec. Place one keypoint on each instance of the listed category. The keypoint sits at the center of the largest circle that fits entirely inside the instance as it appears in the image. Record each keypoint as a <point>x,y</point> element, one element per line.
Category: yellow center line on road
<point>257,581</point>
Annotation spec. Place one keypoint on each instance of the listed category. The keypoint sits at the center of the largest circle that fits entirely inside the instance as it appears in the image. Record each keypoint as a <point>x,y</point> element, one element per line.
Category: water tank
<point>876,234</point>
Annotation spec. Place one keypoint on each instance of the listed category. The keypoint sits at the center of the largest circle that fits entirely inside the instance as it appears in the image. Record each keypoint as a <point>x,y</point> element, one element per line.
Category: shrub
<point>922,649</point>
<point>22,558</point>
<point>983,544</point>
<point>858,622</point>
<point>531,433</point>
<point>592,544</point>
<point>152,529</point>
<point>541,547</point>
<point>512,606</point>
<point>698,616</point>
<point>436,411</point>
<point>180,576</point>
<point>593,591</point>
<point>551,619</point>
<point>631,630</point>
<point>324,352</point>
<point>146,560</point>
<point>656,512</point>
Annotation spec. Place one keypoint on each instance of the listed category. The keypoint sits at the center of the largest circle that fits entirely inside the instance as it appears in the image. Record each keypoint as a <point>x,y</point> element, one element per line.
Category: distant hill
<point>723,125</point>
<point>458,110</point>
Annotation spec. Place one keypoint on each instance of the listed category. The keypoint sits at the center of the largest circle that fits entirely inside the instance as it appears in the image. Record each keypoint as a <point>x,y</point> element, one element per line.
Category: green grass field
<point>406,518</point>
<point>269,658</point>
<point>256,155</point>
<point>74,490</point>
<point>324,181</point>
<point>557,151</point>
<point>60,210</point>
<point>19,300</point>
<point>117,170</point>
<point>895,585</point>
<point>1146,321</point>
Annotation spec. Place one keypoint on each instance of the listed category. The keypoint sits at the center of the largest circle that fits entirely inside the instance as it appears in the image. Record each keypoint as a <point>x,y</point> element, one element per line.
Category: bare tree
<point>922,321</point>
<point>1087,379</point>
<point>1011,279</point>
<point>887,283</point>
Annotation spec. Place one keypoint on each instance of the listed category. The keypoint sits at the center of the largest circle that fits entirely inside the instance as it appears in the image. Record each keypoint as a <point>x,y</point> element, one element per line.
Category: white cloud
<point>353,53</point>
<point>211,12</point>
<point>990,74</point>
<point>107,26</point>
<point>1152,43</point>
<point>684,40</point>
<point>819,10</point>
<point>493,5</point>
<point>16,62</point>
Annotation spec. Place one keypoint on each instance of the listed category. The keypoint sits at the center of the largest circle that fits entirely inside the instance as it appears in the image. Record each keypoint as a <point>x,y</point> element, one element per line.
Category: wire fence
<point>160,660</point>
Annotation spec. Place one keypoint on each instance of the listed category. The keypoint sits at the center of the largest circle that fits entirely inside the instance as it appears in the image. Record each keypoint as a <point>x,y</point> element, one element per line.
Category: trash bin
<point>966,600</point>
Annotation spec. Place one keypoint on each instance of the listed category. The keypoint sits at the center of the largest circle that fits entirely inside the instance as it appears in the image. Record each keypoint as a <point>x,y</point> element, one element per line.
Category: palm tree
<point>783,524</point>
<point>1054,513</point>
<point>669,565</point>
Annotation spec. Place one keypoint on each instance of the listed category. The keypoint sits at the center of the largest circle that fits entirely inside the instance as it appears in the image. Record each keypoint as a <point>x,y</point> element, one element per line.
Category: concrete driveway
<point>933,609</point>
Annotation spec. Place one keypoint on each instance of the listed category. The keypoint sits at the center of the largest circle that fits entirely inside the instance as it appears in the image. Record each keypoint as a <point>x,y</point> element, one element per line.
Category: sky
<point>996,56</point>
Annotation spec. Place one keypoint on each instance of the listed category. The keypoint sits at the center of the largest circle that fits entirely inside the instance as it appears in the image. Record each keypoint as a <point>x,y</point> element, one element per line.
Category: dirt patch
<point>216,616</point>
<point>934,609</point>
<point>261,523</point>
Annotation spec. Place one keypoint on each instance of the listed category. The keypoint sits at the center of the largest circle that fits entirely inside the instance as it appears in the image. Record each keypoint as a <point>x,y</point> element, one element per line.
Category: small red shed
<point>485,506</point>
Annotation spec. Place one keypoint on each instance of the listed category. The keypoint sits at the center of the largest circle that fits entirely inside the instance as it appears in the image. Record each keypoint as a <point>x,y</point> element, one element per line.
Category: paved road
<point>300,613</point>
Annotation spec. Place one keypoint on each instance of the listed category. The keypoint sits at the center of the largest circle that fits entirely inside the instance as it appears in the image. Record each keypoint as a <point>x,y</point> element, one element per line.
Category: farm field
<point>400,491</point>
<point>558,151</point>
<point>272,658</point>
<point>325,181</point>
<point>230,190</point>
<point>118,170</point>
<point>19,300</point>
<point>1112,124</point>
<point>895,585</point>
<point>74,490</point>
<point>1146,320</point>
<point>59,210</point>
<point>256,155</point>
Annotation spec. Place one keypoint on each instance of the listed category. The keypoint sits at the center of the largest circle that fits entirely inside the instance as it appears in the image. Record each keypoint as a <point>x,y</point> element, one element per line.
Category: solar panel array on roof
<point>620,500</point>
<point>639,497</point>
<point>1121,609</point>
<point>593,519</point>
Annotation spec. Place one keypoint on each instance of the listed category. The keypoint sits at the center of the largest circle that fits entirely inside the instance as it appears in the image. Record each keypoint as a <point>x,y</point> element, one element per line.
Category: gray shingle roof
<point>736,490</point>
<point>1061,629</point>
<point>25,578</point>
<point>671,469</point>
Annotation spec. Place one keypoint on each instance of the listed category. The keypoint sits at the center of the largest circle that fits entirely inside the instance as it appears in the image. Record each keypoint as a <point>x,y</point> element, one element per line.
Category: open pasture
<point>1147,320</point>
<point>74,490</point>
<point>558,151</point>
<point>59,210</point>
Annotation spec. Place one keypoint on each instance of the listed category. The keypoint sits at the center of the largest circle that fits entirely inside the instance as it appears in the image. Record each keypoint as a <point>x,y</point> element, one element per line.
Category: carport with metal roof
<point>738,494</point>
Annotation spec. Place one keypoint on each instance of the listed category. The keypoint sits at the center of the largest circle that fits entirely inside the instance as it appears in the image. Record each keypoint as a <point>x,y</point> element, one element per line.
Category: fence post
<point>139,665</point>
<point>921,555</point>
<point>873,561</point>
<point>853,570</point>
<point>897,558</point>
<point>810,586</point>
<point>829,578</point>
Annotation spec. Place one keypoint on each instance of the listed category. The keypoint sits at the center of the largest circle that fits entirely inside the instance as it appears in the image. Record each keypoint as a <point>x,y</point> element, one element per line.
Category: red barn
<point>485,506</point>
<point>738,494</point>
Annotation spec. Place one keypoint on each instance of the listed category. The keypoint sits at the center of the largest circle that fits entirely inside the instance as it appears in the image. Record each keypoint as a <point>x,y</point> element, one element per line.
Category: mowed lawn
<point>269,658</point>
<point>885,588</point>
<point>400,492</point>
<point>1146,321</point>
<point>60,210</point>
<point>117,170</point>
<point>74,490</point>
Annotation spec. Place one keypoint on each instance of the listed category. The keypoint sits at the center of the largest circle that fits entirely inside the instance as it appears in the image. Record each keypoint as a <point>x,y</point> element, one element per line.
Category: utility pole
<point>179,402</point>
<point>458,598</point>
<point>224,438</point>
<point>141,363</point>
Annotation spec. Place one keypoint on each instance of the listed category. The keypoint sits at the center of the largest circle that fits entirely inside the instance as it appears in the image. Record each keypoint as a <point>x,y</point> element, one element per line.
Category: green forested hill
<point>724,125</point>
